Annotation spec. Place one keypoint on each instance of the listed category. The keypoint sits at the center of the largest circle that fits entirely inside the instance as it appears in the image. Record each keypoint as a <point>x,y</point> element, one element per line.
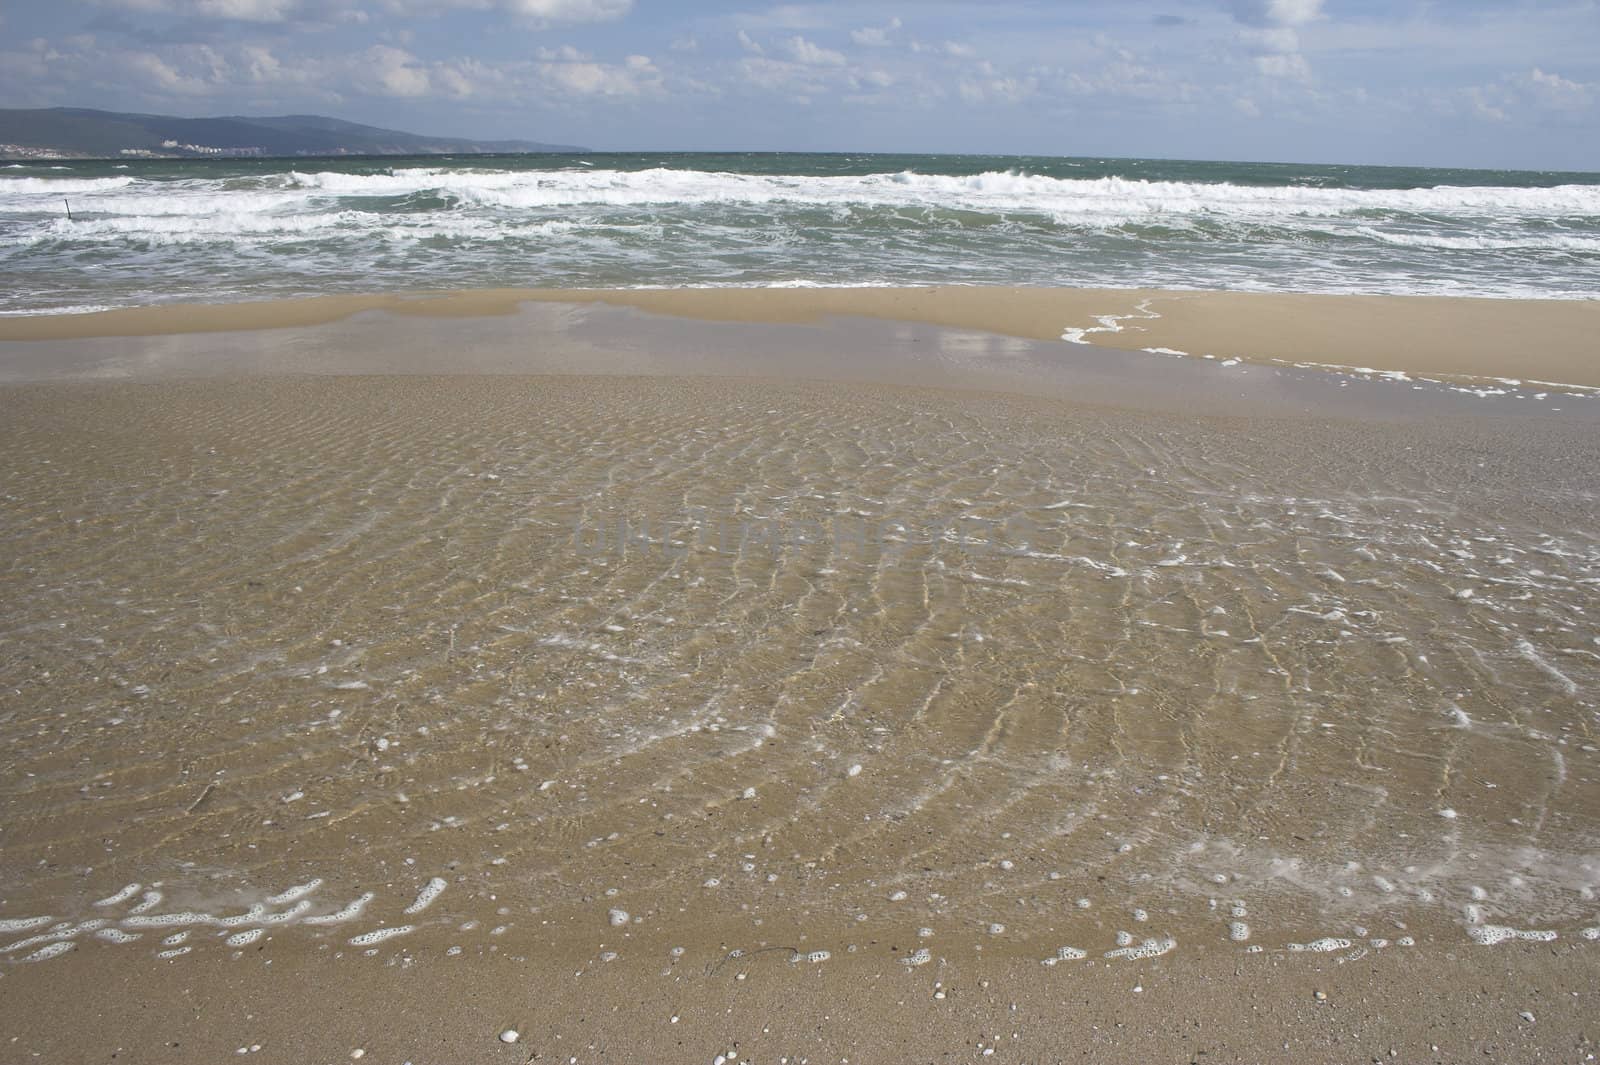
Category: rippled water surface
<point>349,659</point>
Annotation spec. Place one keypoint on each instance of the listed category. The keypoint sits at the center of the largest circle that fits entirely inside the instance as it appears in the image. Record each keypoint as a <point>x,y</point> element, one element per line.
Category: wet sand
<point>316,1008</point>
<point>391,711</point>
<point>1550,341</point>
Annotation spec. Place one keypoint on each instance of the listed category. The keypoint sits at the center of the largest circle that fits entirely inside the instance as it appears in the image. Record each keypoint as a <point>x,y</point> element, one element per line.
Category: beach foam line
<point>1491,385</point>
<point>1111,323</point>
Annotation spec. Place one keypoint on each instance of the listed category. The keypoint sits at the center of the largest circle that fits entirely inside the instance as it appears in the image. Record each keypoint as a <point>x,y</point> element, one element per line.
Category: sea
<point>153,231</point>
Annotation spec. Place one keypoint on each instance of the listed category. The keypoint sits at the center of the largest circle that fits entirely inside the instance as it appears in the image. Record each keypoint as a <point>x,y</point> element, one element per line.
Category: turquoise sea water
<point>211,230</point>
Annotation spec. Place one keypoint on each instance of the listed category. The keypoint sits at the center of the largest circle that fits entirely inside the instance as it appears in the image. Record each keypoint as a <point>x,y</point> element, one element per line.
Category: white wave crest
<point>995,190</point>
<point>586,225</point>
<point>48,186</point>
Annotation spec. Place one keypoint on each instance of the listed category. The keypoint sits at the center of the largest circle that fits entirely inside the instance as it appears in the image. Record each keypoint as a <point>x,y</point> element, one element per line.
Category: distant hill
<point>79,133</point>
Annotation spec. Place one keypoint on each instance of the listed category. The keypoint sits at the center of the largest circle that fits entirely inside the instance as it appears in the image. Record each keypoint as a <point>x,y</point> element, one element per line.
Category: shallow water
<point>482,662</point>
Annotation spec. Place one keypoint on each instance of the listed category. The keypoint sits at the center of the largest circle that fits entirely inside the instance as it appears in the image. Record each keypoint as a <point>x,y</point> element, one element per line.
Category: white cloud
<point>997,90</point>
<point>1126,80</point>
<point>788,17</point>
<point>1521,96</point>
<point>1287,65</point>
<point>270,11</point>
<point>453,82</point>
<point>1271,38</point>
<point>396,72</point>
<point>1277,12</point>
<point>801,82</point>
<point>246,10</point>
<point>164,77</point>
<point>813,55</point>
<point>1563,94</point>
<point>875,36</point>
<point>1481,106</point>
<point>260,65</point>
<point>578,75</point>
<point>570,10</point>
<point>288,80</point>
<point>750,44</point>
<point>238,10</point>
<point>564,54</point>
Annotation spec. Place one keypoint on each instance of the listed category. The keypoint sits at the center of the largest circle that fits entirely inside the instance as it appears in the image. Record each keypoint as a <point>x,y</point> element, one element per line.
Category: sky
<point>1424,82</point>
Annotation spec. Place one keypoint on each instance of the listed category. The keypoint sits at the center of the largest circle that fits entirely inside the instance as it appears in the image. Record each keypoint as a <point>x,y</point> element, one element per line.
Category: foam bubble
<point>167,920</point>
<point>244,939</point>
<point>54,950</point>
<point>151,900</point>
<point>1489,934</point>
<point>116,935</point>
<point>250,916</point>
<point>288,915</point>
<point>1325,945</point>
<point>350,912</point>
<point>299,891</point>
<point>121,896</point>
<point>1150,948</point>
<point>1238,931</point>
<point>60,931</point>
<point>430,891</point>
<point>178,952</point>
<point>366,939</point>
<point>24,924</point>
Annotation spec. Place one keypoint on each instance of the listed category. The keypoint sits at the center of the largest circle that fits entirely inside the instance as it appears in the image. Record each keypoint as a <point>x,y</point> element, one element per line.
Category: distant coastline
<point>70,133</point>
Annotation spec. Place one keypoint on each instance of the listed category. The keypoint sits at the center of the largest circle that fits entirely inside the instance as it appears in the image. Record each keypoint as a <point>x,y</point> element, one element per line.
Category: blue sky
<point>1408,81</point>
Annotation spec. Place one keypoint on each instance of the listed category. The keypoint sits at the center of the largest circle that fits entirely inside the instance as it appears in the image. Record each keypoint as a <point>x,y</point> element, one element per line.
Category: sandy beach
<point>1550,341</point>
<point>798,677</point>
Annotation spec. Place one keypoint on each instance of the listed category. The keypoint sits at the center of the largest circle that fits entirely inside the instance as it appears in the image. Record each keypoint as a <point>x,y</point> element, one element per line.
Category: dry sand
<point>1244,707</point>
